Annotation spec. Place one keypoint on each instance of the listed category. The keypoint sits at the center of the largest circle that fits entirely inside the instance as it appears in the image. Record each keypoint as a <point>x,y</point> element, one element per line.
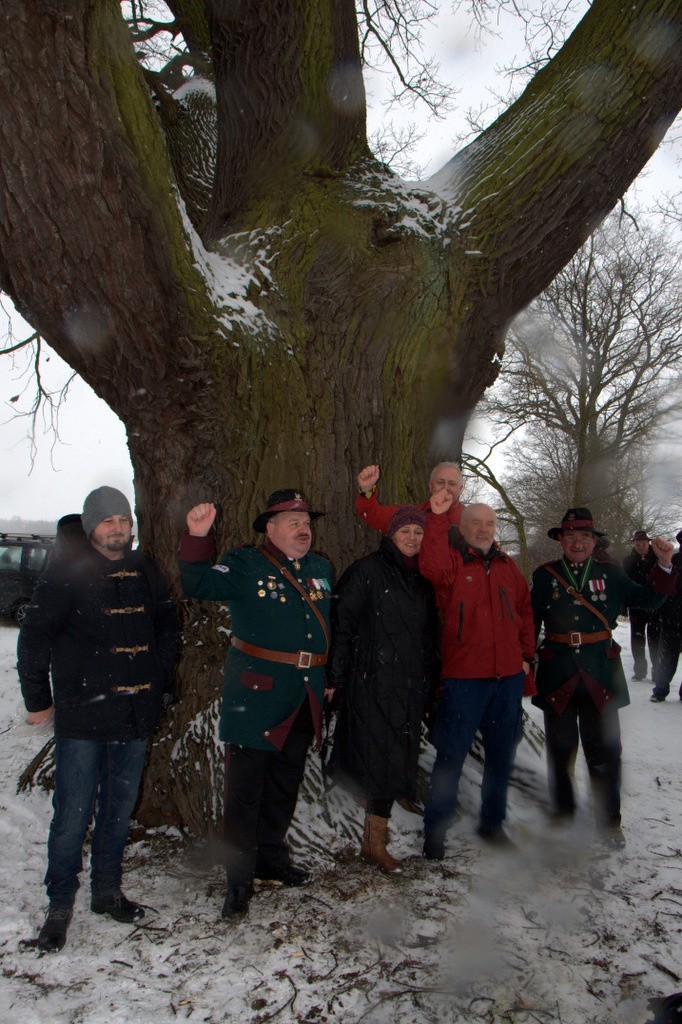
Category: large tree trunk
<point>343,318</point>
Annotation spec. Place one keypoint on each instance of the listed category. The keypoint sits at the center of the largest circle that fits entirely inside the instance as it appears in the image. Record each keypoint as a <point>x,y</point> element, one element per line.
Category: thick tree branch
<point>533,186</point>
<point>290,100</point>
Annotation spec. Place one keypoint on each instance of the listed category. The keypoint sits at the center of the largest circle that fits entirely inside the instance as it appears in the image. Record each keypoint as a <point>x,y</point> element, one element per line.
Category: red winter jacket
<point>484,604</point>
<point>378,516</point>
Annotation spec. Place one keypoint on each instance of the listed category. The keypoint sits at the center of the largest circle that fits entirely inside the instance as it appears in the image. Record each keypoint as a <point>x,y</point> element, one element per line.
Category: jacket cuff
<point>197,549</point>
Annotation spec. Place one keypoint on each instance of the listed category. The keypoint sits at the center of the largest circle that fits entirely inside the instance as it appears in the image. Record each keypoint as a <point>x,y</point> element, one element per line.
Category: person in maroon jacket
<point>446,476</point>
<point>488,643</point>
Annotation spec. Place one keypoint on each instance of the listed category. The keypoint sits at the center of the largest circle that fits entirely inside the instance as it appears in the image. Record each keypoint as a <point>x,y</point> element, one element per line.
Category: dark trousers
<point>261,788</point>
<point>668,657</point>
<point>644,628</point>
<point>380,806</point>
<point>91,776</point>
<point>599,734</point>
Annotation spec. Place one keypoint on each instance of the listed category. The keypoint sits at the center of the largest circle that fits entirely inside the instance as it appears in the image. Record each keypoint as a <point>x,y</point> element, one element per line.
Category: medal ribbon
<point>585,573</point>
<point>571,590</point>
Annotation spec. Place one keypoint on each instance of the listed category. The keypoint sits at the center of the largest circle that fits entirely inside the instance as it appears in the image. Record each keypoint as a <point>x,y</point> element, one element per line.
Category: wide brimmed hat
<point>575,519</point>
<point>288,500</point>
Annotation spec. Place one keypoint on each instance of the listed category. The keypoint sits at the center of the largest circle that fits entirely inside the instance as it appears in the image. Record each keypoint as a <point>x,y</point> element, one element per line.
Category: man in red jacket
<point>446,476</point>
<point>488,643</point>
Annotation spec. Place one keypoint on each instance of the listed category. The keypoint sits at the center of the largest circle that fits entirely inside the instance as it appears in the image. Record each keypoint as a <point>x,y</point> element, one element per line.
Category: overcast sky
<point>92,448</point>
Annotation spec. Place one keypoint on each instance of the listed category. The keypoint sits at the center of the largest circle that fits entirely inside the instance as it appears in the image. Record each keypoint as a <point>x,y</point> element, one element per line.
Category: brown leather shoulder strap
<point>579,597</point>
<point>294,582</point>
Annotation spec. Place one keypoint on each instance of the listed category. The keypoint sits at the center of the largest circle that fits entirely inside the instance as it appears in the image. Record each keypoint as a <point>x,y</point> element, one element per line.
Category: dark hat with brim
<point>639,535</point>
<point>575,519</point>
<point>288,500</point>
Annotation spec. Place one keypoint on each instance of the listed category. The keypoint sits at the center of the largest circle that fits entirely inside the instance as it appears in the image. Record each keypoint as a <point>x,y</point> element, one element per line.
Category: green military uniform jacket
<point>562,666</point>
<point>262,698</point>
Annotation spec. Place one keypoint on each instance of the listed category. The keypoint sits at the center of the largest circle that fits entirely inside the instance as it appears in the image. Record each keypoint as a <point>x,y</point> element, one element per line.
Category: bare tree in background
<point>211,245</point>
<point>591,386</point>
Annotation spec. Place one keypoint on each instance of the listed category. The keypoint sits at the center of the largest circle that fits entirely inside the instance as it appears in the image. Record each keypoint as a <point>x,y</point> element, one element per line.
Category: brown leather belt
<point>301,659</point>
<point>578,639</point>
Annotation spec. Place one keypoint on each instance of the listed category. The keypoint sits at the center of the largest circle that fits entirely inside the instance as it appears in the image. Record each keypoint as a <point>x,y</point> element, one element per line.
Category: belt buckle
<point>572,641</point>
<point>305,659</point>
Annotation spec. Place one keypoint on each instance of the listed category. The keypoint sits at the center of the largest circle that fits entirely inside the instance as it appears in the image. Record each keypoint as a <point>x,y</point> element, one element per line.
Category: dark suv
<point>23,556</point>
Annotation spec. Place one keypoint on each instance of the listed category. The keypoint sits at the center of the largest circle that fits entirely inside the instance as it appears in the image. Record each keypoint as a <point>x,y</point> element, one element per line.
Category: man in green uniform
<point>278,595</point>
<point>580,679</point>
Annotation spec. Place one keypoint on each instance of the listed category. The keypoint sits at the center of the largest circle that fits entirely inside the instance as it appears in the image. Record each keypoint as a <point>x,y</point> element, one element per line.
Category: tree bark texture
<point>289,97</point>
<point>340,319</point>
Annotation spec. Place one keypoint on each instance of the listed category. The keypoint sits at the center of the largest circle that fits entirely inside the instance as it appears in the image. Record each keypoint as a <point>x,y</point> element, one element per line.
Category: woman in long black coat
<point>383,660</point>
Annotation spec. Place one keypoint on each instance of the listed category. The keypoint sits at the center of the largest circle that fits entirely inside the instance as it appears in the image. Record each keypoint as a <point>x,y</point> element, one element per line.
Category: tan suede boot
<point>373,847</point>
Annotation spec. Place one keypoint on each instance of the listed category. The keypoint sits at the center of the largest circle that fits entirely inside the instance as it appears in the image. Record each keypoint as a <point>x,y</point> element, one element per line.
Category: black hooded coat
<point>384,660</point>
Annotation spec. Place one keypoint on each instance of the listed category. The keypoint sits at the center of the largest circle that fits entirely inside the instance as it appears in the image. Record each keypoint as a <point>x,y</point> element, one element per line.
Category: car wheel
<point>19,611</point>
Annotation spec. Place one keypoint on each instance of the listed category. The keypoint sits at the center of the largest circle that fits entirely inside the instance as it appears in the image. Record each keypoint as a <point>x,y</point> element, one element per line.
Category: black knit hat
<point>287,500</point>
<point>575,519</point>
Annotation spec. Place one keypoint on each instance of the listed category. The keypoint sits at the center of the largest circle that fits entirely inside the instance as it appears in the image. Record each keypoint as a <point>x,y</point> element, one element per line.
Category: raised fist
<point>441,501</point>
<point>663,550</point>
<point>200,519</point>
<point>367,478</point>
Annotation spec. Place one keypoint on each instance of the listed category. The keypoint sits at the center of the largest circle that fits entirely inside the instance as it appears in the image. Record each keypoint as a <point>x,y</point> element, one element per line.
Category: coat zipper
<point>504,595</point>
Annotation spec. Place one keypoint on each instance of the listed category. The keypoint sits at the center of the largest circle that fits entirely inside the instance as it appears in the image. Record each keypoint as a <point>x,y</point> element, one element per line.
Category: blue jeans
<point>90,772</point>
<point>465,706</point>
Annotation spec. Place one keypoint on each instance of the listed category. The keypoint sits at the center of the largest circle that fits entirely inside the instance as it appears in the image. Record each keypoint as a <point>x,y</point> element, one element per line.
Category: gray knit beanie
<point>102,503</point>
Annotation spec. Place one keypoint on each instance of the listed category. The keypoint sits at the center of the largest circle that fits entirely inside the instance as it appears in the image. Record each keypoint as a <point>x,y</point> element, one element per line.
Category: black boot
<point>117,906</point>
<point>236,901</point>
<point>496,836</point>
<point>286,874</point>
<point>52,935</point>
<point>434,846</point>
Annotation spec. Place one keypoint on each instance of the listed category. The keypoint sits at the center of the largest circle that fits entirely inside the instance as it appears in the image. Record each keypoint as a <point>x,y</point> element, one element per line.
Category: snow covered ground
<point>557,930</point>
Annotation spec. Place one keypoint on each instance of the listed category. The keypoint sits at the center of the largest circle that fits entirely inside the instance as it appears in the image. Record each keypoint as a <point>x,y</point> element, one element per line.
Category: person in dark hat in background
<point>384,661</point>
<point>670,638</point>
<point>98,642</point>
<point>601,551</point>
<point>645,627</point>
<point>580,679</point>
<point>273,688</point>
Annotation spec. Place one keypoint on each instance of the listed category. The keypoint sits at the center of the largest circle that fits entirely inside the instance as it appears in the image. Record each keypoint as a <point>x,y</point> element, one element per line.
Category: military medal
<point>297,565</point>
<point>598,588</point>
<point>261,593</point>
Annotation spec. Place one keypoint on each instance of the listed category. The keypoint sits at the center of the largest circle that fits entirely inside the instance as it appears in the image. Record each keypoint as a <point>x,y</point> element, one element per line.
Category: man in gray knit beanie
<point>96,651</point>
<point>102,503</point>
